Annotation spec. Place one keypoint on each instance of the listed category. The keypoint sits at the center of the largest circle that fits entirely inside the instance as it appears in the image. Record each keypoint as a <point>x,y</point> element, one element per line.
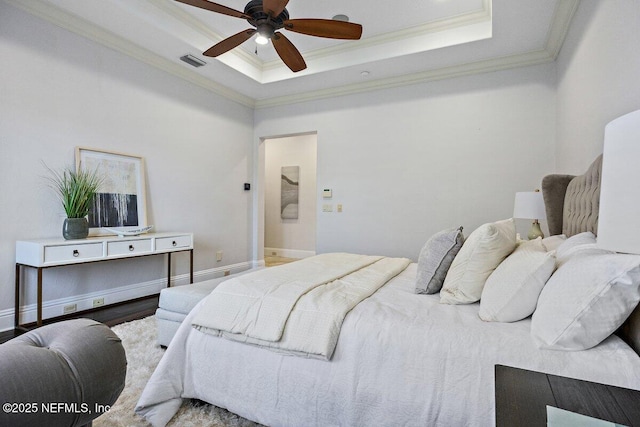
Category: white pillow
<point>511,292</point>
<point>552,243</point>
<point>574,244</point>
<point>586,300</point>
<point>480,254</point>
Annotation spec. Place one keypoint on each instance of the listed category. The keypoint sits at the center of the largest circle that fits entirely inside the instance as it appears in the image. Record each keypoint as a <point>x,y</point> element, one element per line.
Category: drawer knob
<point>174,243</point>
<point>131,248</point>
<point>76,253</point>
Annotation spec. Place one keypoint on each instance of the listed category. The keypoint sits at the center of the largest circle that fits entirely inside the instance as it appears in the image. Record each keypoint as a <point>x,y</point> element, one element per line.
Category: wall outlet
<point>227,272</point>
<point>98,302</point>
<point>219,255</point>
<point>69,308</point>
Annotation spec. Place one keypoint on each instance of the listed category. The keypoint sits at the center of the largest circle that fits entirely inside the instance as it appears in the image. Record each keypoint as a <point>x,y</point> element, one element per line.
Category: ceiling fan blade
<point>230,42</point>
<point>325,28</point>
<point>215,7</point>
<point>274,7</point>
<point>288,53</point>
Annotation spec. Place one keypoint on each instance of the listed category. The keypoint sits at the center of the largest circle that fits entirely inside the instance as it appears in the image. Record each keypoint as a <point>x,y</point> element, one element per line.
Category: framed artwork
<point>290,176</point>
<point>121,202</point>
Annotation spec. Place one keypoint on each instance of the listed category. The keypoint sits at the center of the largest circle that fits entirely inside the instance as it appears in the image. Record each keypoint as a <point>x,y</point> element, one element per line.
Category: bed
<point>400,359</point>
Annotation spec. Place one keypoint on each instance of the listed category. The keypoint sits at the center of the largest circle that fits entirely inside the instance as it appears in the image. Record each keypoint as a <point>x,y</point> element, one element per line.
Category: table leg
<point>16,315</point>
<point>39,297</point>
<point>168,269</point>
<point>191,266</point>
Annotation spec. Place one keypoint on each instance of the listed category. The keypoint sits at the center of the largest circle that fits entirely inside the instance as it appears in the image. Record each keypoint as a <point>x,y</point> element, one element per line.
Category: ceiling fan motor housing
<point>265,24</point>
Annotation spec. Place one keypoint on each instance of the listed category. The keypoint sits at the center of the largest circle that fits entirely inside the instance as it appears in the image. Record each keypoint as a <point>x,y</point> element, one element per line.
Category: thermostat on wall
<point>326,193</point>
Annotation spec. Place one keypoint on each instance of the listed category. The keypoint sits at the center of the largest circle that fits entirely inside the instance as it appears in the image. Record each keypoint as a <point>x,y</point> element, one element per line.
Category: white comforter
<point>299,307</point>
<point>401,359</point>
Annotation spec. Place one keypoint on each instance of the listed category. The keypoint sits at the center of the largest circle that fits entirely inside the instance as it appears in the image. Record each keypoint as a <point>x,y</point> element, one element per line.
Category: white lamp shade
<point>619,216</point>
<point>529,205</point>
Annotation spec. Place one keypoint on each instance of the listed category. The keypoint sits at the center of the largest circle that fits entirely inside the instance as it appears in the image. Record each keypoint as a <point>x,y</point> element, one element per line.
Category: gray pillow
<point>435,259</point>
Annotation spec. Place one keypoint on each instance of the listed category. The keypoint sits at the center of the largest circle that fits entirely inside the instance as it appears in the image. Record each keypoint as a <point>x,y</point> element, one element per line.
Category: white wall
<point>59,91</point>
<point>404,162</point>
<point>598,78</point>
<point>297,237</point>
<point>410,161</point>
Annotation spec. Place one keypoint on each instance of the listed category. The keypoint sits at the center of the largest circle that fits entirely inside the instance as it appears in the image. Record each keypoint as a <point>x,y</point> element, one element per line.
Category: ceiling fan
<point>268,16</point>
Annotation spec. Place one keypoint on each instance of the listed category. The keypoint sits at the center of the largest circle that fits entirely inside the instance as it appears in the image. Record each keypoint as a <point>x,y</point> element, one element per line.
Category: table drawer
<point>72,253</point>
<point>176,242</point>
<point>128,247</point>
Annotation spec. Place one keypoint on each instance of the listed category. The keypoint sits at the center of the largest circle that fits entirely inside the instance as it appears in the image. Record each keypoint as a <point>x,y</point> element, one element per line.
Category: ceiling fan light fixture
<point>265,32</point>
<point>265,29</point>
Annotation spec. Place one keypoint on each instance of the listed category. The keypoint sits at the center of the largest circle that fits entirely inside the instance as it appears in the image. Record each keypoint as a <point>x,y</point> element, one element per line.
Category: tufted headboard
<point>572,204</point>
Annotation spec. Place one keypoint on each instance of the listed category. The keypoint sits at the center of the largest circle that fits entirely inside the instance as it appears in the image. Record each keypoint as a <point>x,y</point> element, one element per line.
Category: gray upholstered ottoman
<point>63,374</point>
<point>176,302</point>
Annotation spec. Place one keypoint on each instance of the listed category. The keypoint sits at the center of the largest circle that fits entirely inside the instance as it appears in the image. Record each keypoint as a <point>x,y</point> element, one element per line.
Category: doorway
<point>290,170</point>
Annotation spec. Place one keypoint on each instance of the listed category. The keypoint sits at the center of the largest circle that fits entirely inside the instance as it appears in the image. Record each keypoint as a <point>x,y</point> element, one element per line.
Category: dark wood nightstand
<point>522,397</point>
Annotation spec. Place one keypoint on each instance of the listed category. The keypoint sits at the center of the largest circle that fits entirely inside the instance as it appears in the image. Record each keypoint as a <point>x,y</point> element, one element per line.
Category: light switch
<point>327,208</point>
<point>339,207</point>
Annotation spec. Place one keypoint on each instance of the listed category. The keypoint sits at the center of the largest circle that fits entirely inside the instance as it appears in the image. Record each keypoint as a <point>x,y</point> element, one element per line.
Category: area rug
<point>143,354</point>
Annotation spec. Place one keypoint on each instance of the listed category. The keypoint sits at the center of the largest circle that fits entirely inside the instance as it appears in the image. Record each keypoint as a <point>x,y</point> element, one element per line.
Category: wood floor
<point>272,261</point>
<point>126,311</point>
<point>110,315</point>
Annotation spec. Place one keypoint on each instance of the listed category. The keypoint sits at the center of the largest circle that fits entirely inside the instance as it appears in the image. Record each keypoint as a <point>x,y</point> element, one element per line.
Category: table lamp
<point>530,205</point>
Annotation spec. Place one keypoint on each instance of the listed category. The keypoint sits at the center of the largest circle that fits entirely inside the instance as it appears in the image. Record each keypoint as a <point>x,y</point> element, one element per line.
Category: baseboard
<point>54,308</point>
<point>214,273</point>
<point>288,253</point>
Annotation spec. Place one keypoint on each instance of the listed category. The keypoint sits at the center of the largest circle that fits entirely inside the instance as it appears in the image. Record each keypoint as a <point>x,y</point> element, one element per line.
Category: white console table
<point>41,254</point>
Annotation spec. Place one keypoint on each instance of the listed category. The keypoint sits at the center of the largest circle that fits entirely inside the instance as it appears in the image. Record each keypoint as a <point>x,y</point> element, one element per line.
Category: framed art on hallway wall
<point>121,200</point>
<point>290,179</point>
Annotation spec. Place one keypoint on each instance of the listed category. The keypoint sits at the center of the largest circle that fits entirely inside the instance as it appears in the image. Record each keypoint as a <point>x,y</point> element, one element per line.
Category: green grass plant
<point>76,189</point>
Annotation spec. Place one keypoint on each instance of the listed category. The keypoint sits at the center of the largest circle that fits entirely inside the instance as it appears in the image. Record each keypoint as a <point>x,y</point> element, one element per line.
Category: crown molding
<point>486,66</point>
<point>565,9</point>
<point>482,15</point>
<point>447,24</point>
<point>79,25</point>
<point>563,15</point>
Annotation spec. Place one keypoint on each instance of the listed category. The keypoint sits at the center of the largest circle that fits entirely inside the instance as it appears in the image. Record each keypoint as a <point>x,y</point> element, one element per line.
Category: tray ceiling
<point>419,40</point>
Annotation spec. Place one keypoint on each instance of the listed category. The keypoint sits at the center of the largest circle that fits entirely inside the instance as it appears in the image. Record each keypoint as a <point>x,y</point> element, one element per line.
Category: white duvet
<point>401,359</point>
<point>297,308</point>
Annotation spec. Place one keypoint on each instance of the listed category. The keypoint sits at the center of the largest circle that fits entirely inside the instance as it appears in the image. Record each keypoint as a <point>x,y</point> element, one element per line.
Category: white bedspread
<point>401,359</point>
<point>298,308</point>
